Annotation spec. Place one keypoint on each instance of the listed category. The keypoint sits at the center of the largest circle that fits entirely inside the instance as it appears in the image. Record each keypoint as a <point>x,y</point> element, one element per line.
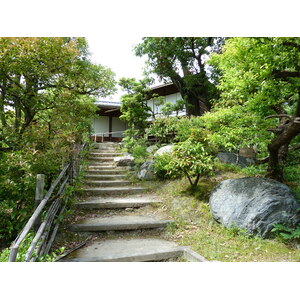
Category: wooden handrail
<point>44,228</point>
<point>104,133</point>
<point>35,215</point>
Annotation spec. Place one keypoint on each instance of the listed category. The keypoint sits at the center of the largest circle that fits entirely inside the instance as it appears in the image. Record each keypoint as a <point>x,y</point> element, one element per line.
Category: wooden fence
<point>51,207</point>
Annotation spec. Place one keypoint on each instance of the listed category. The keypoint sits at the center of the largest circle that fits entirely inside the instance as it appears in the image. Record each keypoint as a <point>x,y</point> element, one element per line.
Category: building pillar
<point>110,128</point>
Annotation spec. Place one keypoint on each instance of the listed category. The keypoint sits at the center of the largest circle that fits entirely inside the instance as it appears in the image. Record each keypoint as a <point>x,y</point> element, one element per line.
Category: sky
<point>116,52</point>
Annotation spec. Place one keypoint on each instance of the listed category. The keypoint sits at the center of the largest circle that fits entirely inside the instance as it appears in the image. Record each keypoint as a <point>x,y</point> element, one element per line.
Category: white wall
<point>172,98</point>
<point>101,124</point>
<point>118,125</point>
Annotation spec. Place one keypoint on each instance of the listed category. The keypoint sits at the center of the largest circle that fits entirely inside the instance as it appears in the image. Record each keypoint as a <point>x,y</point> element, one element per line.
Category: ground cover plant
<point>194,225</point>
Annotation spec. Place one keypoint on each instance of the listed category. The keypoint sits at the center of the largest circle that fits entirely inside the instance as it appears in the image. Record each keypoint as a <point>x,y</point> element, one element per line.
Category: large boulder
<point>166,149</point>
<point>125,160</point>
<point>232,158</point>
<point>146,171</point>
<point>254,204</point>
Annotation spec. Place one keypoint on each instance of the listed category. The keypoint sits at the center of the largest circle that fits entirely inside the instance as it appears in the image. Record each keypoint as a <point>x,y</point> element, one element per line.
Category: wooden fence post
<point>39,191</point>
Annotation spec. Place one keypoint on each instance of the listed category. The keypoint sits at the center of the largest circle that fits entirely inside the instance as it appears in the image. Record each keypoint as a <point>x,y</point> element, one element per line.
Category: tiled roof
<point>108,103</point>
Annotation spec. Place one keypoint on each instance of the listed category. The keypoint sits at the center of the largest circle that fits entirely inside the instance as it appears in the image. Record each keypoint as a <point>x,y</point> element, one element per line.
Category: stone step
<point>107,171</point>
<point>118,223</point>
<point>101,159</point>
<point>105,154</point>
<point>102,166</point>
<point>106,148</point>
<point>105,177</point>
<point>113,190</point>
<point>117,202</point>
<point>133,250</point>
<point>107,183</point>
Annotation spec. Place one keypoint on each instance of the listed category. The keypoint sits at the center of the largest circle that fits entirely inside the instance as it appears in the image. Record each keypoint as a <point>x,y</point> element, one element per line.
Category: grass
<point>194,225</point>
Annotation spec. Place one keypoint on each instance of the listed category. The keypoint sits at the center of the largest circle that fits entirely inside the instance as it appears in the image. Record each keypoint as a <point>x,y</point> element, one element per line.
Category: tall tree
<point>31,67</point>
<point>263,76</point>
<point>182,60</point>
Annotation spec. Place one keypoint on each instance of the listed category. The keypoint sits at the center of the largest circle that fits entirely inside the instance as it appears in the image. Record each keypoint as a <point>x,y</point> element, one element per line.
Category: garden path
<point>120,217</point>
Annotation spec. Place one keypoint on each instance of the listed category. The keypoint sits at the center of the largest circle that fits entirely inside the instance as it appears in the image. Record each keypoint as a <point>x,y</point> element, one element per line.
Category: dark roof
<point>108,104</point>
<point>165,89</point>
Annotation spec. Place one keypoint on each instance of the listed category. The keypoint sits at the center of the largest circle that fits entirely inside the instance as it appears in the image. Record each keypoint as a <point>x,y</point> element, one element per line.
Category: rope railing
<point>40,244</point>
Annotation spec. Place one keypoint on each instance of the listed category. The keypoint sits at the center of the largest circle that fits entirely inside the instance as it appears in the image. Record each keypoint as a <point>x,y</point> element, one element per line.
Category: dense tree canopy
<point>47,93</point>
<point>261,77</point>
<point>36,72</point>
<point>182,60</point>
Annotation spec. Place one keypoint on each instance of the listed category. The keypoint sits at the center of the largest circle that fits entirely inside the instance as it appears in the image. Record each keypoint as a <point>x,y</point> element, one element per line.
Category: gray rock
<point>254,204</point>
<point>166,149</point>
<point>232,158</point>
<point>152,148</point>
<point>122,161</point>
<point>146,171</point>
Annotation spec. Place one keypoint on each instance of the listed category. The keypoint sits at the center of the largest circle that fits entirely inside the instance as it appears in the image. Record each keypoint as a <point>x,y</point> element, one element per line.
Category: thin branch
<point>262,160</point>
<point>296,147</point>
<point>285,74</point>
<point>279,116</point>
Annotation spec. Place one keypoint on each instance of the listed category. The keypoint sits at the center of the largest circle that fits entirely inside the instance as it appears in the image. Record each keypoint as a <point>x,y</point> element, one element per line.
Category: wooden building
<point>108,126</point>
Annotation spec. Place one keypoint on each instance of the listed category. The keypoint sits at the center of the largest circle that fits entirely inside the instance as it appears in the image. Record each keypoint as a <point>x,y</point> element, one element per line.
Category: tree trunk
<point>196,97</point>
<point>278,149</point>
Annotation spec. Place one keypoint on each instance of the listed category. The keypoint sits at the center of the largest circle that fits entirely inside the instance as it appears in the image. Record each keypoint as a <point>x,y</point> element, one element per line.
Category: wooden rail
<point>102,134</point>
<point>41,244</point>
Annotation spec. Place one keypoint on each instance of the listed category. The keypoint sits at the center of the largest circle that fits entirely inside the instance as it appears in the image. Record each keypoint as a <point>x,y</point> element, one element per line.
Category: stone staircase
<point>107,188</point>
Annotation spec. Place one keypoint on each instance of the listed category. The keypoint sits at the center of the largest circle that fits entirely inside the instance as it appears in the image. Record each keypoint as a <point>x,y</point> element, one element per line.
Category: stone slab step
<point>107,171</point>
<point>118,223</point>
<point>101,159</point>
<point>113,190</point>
<point>134,250</point>
<point>118,202</point>
<point>102,166</point>
<point>107,183</point>
<point>105,154</point>
<point>105,177</point>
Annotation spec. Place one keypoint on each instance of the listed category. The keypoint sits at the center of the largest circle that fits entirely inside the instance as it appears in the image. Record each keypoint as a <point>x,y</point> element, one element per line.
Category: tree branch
<point>295,45</point>
<point>296,147</point>
<point>280,116</point>
<point>285,74</point>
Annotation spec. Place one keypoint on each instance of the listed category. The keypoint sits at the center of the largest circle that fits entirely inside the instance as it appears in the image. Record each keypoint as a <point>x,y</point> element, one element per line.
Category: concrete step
<point>113,190</point>
<point>107,183</point>
<point>104,177</point>
<point>107,171</point>
<point>118,223</point>
<point>101,166</point>
<point>133,250</point>
<point>101,159</point>
<point>117,202</point>
<point>105,154</point>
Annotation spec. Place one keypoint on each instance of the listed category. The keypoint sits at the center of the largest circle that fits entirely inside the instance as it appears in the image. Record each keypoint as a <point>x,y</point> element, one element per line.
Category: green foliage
<point>164,129</point>
<point>163,169</point>
<point>46,105</point>
<point>4,254</point>
<point>192,159</point>
<point>287,233</point>
<point>170,57</point>
<point>260,77</point>
<point>254,171</point>
<point>139,152</point>
<point>134,110</point>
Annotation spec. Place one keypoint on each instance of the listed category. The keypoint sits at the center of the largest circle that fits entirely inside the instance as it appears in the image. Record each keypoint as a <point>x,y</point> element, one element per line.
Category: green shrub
<point>164,129</point>
<point>139,152</point>
<point>191,159</point>
<point>162,167</point>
